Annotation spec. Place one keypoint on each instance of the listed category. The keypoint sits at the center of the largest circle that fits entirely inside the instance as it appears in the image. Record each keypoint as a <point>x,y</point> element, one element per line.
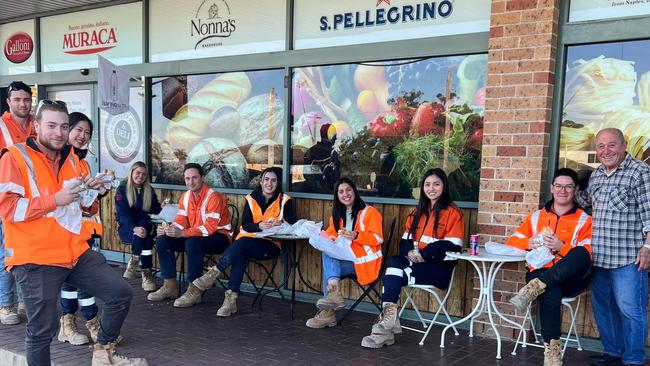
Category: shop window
<point>231,123</point>
<point>606,85</point>
<point>383,124</point>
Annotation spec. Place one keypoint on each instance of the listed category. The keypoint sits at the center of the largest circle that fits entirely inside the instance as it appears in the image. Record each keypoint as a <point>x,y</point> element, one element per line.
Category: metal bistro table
<point>485,301</point>
<point>289,243</point>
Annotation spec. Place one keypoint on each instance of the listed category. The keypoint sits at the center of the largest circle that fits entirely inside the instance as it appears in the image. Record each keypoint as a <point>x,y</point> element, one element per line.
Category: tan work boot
<point>104,355</point>
<point>9,316</point>
<point>148,283</point>
<point>132,268</point>
<point>553,353</point>
<point>206,281</point>
<point>191,297</point>
<point>169,290</point>
<point>93,327</point>
<point>322,319</point>
<point>382,332</point>
<point>527,294</point>
<point>333,300</point>
<point>229,305</point>
<point>68,331</point>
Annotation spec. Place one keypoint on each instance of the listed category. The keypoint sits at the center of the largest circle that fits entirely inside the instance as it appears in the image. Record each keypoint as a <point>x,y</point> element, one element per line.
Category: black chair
<point>268,280</point>
<point>211,259</point>
<point>372,287</point>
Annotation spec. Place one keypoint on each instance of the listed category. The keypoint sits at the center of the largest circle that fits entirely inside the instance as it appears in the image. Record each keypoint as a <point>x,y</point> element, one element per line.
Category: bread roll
<point>547,231</point>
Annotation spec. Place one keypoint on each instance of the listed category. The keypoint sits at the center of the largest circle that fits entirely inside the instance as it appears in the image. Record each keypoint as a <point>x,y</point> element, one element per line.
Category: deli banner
<point>584,10</point>
<point>343,22</point>
<point>18,56</point>
<point>191,29</point>
<point>73,41</point>
<point>112,87</point>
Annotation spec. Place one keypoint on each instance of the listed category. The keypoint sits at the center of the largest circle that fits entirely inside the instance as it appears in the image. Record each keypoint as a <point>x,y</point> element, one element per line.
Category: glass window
<point>384,124</point>
<point>607,85</point>
<point>231,123</point>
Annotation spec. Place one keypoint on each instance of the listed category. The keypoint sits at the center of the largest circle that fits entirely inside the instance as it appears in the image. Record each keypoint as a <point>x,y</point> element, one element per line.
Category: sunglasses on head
<point>17,86</point>
<point>44,102</point>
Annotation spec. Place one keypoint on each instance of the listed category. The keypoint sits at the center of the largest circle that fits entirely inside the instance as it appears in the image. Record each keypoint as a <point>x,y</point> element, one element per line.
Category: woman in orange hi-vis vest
<point>267,206</point>
<point>352,219</point>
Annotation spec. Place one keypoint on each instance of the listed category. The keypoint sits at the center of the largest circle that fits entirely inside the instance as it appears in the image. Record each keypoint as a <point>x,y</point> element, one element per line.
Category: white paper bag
<point>539,256</point>
<point>503,249</point>
<point>339,249</point>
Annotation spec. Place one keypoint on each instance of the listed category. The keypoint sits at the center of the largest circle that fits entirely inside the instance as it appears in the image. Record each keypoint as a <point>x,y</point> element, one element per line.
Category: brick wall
<point>521,74</point>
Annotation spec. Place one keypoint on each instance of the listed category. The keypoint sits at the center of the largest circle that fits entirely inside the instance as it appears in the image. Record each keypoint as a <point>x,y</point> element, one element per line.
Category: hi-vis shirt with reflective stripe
<point>204,215</point>
<point>27,180</point>
<point>573,228</point>
<point>11,132</point>
<point>367,246</point>
<point>275,211</point>
<point>451,226</point>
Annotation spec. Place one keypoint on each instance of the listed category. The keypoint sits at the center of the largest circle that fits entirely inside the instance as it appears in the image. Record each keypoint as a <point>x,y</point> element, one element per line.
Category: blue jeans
<point>7,283</point>
<point>619,297</point>
<point>335,269</point>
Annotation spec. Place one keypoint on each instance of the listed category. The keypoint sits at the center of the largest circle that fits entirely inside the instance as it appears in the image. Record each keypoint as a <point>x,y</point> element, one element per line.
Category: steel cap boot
<point>322,319</point>
<point>527,294</point>
<point>206,281</point>
<point>191,297</point>
<point>169,290</point>
<point>333,300</point>
<point>104,355</point>
<point>148,282</point>
<point>229,305</point>
<point>132,267</point>
<point>68,331</point>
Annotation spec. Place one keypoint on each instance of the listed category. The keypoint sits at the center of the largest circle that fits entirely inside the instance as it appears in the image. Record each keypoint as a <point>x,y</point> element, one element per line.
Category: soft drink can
<point>473,244</point>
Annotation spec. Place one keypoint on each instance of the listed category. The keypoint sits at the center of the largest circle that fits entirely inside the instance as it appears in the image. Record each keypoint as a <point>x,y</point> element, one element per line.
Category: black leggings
<point>568,277</point>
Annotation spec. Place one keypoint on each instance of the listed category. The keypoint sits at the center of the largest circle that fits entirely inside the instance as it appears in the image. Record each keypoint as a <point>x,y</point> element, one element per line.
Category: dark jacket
<point>130,217</point>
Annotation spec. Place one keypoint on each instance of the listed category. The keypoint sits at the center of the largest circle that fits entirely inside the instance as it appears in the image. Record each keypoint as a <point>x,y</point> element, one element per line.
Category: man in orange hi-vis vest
<point>15,126</point>
<point>39,178</point>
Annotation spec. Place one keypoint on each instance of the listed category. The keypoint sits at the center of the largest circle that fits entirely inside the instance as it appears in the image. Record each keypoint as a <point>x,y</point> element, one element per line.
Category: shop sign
<point>17,40</point>
<point>584,10</point>
<point>341,22</point>
<point>19,47</point>
<point>199,28</point>
<point>73,40</point>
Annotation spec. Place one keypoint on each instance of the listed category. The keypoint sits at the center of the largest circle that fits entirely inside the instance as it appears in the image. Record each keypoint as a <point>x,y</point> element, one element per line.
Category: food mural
<point>383,124</point>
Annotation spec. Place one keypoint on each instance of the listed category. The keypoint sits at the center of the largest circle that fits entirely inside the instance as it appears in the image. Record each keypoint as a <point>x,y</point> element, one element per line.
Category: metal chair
<point>427,324</point>
<point>211,259</point>
<point>371,288</point>
<point>573,304</point>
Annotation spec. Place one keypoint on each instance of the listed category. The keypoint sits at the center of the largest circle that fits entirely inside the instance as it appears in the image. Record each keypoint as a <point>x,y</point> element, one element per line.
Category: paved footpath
<point>196,336</point>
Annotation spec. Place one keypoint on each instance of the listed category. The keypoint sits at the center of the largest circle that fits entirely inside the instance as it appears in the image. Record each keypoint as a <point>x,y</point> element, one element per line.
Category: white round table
<point>489,266</point>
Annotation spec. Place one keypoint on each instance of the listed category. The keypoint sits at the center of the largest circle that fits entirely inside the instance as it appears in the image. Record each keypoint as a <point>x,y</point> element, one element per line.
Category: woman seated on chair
<point>362,224</point>
<point>565,230</point>
<point>134,201</point>
<point>435,227</point>
<point>265,208</point>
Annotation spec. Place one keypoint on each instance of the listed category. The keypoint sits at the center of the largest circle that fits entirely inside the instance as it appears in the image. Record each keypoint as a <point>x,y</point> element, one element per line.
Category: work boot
<point>132,268</point>
<point>333,300</point>
<point>9,316</point>
<point>68,331</point>
<point>322,319</point>
<point>104,355</point>
<point>382,332</point>
<point>190,298</point>
<point>527,294</point>
<point>206,281</point>
<point>229,305</point>
<point>148,283</point>
<point>93,327</point>
<point>169,290</point>
<point>553,353</point>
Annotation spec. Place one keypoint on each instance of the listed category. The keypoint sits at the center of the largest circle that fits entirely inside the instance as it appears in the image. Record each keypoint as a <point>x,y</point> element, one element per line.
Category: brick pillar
<point>519,96</point>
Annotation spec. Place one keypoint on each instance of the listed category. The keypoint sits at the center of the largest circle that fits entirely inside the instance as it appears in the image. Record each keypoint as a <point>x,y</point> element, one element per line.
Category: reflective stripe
<point>519,235</point>
<point>378,238</point>
<point>5,133</point>
<point>391,271</point>
<point>581,222</point>
<point>427,239</point>
<point>87,302</point>
<point>203,230</point>
<point>30,167</point>
<point>213,215</point>
<point>21,209</point>
<point>178,225</point>
<point>534,218</point>
<point>406,235</point>
<point>181,212</point>
<point>456,241</point>
<point>204,206</point>
<point>186,200</point>
<point>146,253</point>
<point>362,214</point>
<point>225,227</point>
<point>12,187</point>
<point>68,294</point>
<point>410,279</point>
<point>585,242</point>
<point>369,257</point>
<point>285,199</point>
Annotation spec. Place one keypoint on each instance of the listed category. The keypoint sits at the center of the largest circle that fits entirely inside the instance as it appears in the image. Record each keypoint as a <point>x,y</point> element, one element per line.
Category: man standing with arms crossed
<point>619,194</point>
<point>42,252</point>
<point>15,126</point>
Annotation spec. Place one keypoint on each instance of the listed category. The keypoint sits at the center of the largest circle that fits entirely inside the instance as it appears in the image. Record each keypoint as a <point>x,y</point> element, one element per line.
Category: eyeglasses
<point>567,188</point>
<point>17,86</point>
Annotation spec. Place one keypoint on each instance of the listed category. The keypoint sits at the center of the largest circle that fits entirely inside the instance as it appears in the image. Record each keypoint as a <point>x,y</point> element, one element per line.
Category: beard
<point>51,145</point>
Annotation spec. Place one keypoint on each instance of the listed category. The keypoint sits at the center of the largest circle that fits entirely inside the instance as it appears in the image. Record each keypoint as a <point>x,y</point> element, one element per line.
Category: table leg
<point>294,265</point>
<point>494,267</point>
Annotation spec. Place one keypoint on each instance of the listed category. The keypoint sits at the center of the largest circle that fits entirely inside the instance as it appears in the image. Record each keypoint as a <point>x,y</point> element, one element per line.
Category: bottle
<point>114,86</point>
<point>473,244</point>
<point>416,245</point>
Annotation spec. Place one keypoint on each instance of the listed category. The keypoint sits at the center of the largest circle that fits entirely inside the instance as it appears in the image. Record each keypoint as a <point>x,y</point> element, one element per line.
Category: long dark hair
<point>278,173</point>
<point>424,203</point>
<point>338,208</point>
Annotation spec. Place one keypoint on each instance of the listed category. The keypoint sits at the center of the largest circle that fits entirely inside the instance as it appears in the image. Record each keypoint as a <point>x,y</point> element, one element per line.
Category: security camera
<point>84,72</point>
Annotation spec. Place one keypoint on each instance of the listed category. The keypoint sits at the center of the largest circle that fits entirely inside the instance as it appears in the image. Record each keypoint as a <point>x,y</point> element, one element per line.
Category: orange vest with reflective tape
<point>41,241</point>
<point>275,211</point>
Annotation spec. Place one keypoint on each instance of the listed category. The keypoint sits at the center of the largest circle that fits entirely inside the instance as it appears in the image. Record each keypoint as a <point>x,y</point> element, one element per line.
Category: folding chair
<point>371,288</point>
<point>573,304</point>
<point>210,259</point>
<point>261,290</point>
<point>427,324</point>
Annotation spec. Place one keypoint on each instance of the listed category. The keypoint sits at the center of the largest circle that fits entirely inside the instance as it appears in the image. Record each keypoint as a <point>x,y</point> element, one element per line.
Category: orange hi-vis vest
<point>275,211</point>
<point>93,223</point>
<point>451,226</point>
<point>42,241</point>
<point>367,246</point>
<point>11,132</point>
<point>204,215</point>
<point>573,228</point>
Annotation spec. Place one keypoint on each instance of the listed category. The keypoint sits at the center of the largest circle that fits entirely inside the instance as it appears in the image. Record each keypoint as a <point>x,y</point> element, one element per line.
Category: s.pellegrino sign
<point>113,87</point>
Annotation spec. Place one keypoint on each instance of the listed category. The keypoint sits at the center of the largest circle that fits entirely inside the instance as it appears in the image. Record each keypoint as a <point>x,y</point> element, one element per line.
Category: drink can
<point>473,244</point>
